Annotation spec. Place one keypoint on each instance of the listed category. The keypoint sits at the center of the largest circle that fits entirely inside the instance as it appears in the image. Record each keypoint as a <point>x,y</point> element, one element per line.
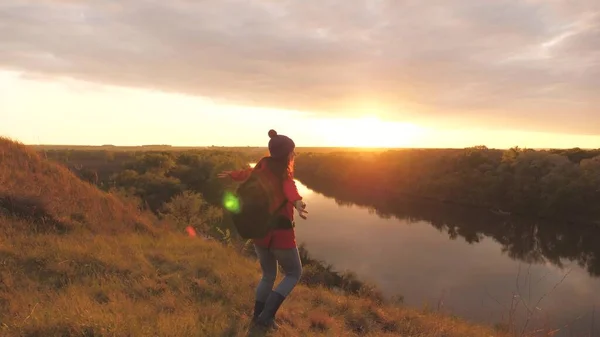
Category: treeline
<point>175,185</point>
<point>182,188</point>
<point>548,183</point>
<point>99,164</point>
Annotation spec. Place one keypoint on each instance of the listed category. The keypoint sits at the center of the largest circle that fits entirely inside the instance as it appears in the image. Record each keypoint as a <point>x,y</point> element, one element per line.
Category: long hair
<point>282,168</point>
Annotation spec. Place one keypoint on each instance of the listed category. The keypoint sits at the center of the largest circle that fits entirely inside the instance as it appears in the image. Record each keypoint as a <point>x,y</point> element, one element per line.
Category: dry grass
<point>66,275</point>
<point>138,285</point>
<point>54,200</point>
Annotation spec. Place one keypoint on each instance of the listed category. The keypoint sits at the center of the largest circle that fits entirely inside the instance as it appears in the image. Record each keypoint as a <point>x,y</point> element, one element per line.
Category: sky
<point>392,73</point>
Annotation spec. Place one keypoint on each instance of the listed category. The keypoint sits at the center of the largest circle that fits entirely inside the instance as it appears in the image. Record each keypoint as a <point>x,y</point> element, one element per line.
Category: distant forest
<point>541,183</point>
<point>563,183</point>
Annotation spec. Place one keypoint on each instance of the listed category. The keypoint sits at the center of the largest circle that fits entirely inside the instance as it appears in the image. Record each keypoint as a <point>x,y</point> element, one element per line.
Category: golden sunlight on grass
<point>369,132</point>
<point>76,261</point>
<point>172,285</point>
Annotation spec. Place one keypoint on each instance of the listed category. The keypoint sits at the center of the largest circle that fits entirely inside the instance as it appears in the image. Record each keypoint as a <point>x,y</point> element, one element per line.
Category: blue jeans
<point>289,259</point>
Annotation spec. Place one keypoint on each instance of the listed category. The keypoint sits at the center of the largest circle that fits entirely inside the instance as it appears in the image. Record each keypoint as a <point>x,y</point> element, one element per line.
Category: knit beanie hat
<point>280,146</point>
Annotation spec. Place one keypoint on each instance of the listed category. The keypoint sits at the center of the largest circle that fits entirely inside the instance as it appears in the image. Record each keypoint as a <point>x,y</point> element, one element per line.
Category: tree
<point>190,209</point>
<point>89,175</point>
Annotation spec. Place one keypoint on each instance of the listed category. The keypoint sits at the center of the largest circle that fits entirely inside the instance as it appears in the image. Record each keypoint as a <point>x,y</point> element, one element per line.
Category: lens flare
<point>231,202</point>
<point>191,231</point>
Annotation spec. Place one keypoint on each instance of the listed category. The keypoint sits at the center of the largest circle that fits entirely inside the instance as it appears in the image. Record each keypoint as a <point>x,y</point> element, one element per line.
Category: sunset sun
<point>371,132</point>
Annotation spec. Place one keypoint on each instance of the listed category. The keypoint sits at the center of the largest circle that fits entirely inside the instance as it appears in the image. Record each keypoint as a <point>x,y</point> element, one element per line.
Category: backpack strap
<point>274,214</point>
<point>285,201</point>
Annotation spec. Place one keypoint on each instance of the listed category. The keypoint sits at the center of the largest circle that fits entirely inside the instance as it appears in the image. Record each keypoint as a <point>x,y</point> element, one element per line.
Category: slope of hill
<point>64,272</point>
<point>52,199</point>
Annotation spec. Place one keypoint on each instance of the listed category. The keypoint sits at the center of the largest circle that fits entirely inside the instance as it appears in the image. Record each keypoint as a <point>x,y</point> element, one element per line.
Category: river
<point>472,266</point>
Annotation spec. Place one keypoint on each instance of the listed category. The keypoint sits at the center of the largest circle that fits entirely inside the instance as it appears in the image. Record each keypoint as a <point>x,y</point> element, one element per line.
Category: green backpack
<point>253,219</point>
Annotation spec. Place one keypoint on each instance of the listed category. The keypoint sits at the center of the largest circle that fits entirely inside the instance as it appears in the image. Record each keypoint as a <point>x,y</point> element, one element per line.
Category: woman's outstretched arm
<point>238,175</point>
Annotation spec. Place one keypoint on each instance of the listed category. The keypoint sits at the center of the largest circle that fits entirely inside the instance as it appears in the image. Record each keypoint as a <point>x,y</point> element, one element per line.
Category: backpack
<point>252,218</point>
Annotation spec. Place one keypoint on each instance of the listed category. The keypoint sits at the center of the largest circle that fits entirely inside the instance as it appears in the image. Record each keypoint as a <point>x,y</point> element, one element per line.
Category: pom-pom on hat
<point>280,146</point>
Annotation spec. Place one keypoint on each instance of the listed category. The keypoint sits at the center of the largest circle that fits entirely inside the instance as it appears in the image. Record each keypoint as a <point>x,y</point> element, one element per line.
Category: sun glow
<point>370,132</point>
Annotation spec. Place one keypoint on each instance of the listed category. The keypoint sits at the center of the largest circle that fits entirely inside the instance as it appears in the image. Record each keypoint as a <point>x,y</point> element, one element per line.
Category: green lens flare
<point>231,202</point>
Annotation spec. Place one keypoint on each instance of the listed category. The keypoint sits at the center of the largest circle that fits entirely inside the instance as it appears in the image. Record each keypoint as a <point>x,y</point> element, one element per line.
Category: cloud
<point>529,64</point>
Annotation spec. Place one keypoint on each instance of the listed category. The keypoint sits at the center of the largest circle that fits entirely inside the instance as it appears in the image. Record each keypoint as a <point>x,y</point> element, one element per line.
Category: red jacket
<point>277,238</point>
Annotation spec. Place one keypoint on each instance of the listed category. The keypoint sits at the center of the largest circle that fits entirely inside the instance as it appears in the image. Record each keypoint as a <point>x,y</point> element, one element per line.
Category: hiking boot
<point>267,317</point>
<point>258,308</point>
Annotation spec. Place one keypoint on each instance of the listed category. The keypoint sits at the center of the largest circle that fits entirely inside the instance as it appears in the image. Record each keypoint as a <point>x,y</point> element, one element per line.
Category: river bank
<point>459,262</point>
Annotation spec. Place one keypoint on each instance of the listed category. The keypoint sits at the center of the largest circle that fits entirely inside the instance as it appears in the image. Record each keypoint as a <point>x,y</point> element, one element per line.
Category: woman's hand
<point>224,174</point>
<point>301,207</point>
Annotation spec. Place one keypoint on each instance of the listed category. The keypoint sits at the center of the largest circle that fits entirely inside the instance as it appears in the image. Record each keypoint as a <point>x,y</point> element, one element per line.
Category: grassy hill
<point>76,261</point>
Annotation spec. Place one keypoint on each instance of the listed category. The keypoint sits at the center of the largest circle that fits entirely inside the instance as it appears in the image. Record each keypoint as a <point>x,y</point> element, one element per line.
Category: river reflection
<point>467,262</point>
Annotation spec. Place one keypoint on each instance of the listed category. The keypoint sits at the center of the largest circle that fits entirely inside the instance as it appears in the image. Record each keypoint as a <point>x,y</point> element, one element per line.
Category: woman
<point>279,245</point>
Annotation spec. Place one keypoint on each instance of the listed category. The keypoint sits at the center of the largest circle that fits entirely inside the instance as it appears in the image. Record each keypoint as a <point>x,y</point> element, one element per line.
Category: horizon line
<point>108,146</point>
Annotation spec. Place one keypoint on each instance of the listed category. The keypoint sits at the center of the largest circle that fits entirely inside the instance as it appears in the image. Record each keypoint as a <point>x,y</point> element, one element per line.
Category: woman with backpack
<point>279,245</point>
